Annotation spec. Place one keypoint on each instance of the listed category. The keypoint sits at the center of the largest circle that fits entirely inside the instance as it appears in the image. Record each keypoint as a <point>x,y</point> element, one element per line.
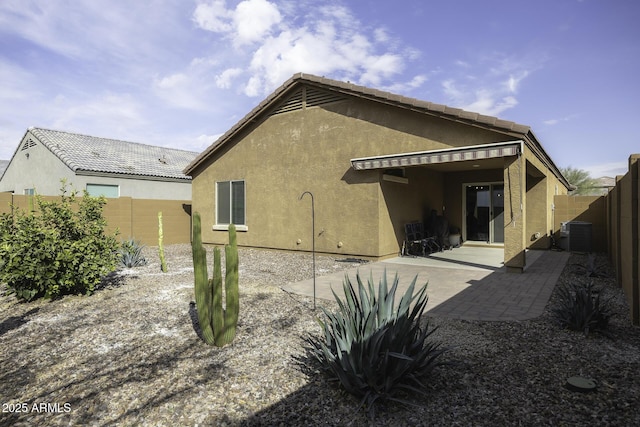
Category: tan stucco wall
<point>529,209</point>
<point>309,150</point>
<point>43,171</point>
<point>288,154</point>
<point>541,186</point>
<point>537,211</point>
<point>515,213</point>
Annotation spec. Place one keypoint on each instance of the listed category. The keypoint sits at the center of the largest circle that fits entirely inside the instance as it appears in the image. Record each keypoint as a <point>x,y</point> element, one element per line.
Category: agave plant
<point>376,350</point>
<point>579,309</point>
<point>130,254</point>
<point>592,268</point>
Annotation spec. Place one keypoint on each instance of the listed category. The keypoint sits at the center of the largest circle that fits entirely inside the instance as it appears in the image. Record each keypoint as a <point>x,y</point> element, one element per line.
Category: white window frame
<point>225,226</point>
<point>117,187</point>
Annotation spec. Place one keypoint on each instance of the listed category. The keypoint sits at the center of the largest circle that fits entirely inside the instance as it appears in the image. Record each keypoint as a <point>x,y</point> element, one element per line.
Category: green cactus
<point>218,325</point>
<point>163,263</point>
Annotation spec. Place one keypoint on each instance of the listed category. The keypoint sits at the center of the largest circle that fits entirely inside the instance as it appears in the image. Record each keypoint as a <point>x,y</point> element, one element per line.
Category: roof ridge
<point>443,109</point>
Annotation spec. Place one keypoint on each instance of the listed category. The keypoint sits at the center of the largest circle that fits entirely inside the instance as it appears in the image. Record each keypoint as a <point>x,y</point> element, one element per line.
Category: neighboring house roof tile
<point>90,154</point>
<point>347,88</point>
<point>606,182</point>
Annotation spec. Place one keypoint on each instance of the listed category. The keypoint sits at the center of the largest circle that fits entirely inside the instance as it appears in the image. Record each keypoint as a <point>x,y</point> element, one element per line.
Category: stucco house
<point>101,166</point>
<point>374,161</point>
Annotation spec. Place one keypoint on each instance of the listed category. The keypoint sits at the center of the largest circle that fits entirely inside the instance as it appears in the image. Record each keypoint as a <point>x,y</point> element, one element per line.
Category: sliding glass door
<point>484,210</point>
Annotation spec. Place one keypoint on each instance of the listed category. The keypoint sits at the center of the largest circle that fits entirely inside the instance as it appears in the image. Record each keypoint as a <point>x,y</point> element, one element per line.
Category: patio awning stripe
<point>476,152</point>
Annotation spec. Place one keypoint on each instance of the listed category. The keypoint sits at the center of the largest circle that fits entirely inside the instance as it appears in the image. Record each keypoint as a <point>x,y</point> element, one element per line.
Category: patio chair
<point>417,243</point>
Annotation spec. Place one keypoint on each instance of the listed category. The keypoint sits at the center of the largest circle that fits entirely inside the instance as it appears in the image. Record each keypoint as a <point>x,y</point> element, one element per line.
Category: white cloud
<point>555,121</point>
<point>186,91</point>
<point>491,102</point>
<point>171,81</point>
<point>489,90</point>
<point>513,81</point>
<point>452,92</point>
<point>381,35</point>
<point>249,22</point>
<point>18,84</point>
<point>487,102</point>
<point>203,141</point>
<point>254,19</point>
<point>123,69</point>
<point>224,79</point>
<point>288,38</point>
<point>119,32</point>
<point>115,113</point>
<point>611,169</point>
<point>415,82</point>
<point>213,16</point>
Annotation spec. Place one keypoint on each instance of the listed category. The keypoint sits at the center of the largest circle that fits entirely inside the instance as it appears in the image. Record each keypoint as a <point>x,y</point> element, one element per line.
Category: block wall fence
<point>133,218</point>
<point>615,228</point>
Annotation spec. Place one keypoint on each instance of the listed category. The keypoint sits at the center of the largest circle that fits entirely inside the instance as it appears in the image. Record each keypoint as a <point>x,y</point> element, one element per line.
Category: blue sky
<point>179,73</point>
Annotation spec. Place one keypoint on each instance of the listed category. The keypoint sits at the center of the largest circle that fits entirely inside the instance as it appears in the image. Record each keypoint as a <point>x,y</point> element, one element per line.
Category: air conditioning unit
<point>576,236</point>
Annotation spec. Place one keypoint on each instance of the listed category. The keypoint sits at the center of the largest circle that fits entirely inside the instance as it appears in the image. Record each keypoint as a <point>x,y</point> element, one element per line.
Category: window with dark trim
<point>230,203</point>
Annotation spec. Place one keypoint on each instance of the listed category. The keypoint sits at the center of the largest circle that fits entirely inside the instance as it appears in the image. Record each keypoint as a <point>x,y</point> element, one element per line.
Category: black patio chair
<point>417,243</point>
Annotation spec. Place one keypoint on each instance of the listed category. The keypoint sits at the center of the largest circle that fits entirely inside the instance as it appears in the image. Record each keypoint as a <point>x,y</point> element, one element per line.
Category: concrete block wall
<point>133,218</point>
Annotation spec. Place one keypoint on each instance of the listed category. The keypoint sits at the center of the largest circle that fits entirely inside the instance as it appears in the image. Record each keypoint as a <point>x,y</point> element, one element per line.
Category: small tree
<point>61,248</point>
<point>581,179</point>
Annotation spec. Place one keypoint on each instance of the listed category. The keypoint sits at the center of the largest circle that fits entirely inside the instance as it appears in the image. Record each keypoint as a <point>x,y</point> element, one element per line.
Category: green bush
<point>377,351</point>
<point>130,254</point>
<point>579,308</point>
<point>60,249</point>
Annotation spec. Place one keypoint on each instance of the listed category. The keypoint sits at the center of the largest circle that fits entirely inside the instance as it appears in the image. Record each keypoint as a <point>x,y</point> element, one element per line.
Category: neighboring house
<point>374,161</point>
<point>101,166</point>
<point>604,184</point>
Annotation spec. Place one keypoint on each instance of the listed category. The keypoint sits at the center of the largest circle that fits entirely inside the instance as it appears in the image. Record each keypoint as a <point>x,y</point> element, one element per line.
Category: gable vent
<point>28,144</point>
<point>307,97</point>
<point>292,104</point>
<point>317,97</point>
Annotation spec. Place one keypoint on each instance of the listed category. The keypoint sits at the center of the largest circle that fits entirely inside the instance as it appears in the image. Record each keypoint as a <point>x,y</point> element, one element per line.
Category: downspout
<point>523,170</point>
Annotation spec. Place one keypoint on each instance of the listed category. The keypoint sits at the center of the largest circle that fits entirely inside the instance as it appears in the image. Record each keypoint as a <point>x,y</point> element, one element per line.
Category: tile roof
<point>83,153</point>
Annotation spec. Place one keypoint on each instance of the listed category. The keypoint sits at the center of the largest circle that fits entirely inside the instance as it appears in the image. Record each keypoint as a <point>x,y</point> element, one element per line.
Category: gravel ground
<point>130,355</point>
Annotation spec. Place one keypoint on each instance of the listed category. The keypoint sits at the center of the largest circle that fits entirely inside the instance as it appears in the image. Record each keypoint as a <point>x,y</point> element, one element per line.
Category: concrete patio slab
<point>465,283</point>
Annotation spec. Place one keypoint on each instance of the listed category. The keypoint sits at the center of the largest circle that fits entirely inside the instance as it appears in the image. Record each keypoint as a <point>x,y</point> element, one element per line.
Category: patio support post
<point>514,213</point>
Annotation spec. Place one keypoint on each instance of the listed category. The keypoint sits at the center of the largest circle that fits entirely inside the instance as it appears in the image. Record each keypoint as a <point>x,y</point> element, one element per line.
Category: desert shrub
<point>579,308</point>
<point>378,352</point>
<point>61,248</point>
<point>130,254</point>
<point>592,267</point>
